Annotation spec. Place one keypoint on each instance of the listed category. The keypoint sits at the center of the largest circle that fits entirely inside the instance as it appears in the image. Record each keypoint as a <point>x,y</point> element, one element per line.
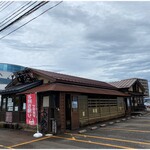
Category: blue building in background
<point>6,70</point>
<point>10,67</point>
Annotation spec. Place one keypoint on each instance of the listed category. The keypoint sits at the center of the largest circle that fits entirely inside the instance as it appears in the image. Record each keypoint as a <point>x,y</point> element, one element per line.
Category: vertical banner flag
<point>31,117</point>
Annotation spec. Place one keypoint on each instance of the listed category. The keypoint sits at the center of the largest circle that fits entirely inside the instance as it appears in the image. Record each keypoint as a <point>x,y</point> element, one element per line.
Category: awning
<point>20,88</point>
<point>73,88</point>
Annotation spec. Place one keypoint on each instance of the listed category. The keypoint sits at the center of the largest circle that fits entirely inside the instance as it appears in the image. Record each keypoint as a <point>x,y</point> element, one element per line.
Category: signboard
<point>46,101</point>
<point>8,117</point>
<point>31,117</point>
<point>10,108</point>
<point>10,104</point>
<point>54,126</point>
<point>74,102</point>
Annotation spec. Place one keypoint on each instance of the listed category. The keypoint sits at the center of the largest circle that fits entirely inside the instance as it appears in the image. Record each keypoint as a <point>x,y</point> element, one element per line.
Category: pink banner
<point>31,117</point>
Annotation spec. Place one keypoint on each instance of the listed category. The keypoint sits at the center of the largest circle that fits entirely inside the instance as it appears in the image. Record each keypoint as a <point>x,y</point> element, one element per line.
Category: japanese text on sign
<point>31,117</point>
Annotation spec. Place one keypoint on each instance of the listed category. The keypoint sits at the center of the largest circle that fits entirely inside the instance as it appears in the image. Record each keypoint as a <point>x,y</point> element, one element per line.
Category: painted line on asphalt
<point>139,123</point>
<point>111,139</point>
<point>95,143</point>
<point>32,141</point>
<point>142,120</point>
<point>70,139</point>
<point>5,147</point>
<point>131,130</point>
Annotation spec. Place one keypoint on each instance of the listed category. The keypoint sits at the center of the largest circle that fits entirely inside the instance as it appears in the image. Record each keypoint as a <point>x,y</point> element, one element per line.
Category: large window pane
<point>16,104</point>
<point>10,104</point>
<point>4,104</point>
<point>0,102</point>
<point>23,103</point>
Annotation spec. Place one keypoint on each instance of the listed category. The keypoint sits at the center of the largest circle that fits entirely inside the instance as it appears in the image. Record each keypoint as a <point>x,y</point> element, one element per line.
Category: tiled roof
<point>20,88</point>
<point>124,83</point>
<point>62,78</point>
<point>73,88</point>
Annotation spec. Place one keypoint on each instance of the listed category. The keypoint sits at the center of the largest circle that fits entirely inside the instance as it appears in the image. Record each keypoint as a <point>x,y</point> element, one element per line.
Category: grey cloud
<point>101,40</point>
<point>69,15</point>
<point>23,46</point>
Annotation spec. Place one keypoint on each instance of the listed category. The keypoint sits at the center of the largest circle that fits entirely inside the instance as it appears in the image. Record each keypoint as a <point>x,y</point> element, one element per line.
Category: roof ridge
<point>73,79</point>
<point>124,80</point>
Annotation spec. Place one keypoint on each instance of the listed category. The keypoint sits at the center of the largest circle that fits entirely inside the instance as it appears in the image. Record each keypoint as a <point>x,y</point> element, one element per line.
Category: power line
<point>6,6</point>
<point>17,14</point>
<point>2,4</point>
<point>31,20</point>
<point>15,11</point>
<point>25,14</point>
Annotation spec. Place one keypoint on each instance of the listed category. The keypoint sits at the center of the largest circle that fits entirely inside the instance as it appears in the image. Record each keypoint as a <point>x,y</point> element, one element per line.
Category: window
<point>46,101</point>
<point>102,102</point>
<point>0,102</point>
<point>16,103</point>
<point>23,103</point>
<point>10,104</point>
<point>75,102</point>
<point>4,104</point>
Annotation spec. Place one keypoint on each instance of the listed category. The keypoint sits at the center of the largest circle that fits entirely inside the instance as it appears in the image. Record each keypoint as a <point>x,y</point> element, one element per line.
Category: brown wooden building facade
<point>136,90</point>
<point>64,102</point>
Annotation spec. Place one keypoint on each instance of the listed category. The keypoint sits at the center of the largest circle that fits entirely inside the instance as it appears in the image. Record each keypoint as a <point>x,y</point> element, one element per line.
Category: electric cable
<point>6,6</point>
<point>24,15</point>
<point>17,14</point>
<point>31,19</point>
<point>14,12</point>
<point>2,2</point>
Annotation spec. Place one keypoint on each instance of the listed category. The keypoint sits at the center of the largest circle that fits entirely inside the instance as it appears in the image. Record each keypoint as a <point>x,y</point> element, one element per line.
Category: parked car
<point>147,104</point>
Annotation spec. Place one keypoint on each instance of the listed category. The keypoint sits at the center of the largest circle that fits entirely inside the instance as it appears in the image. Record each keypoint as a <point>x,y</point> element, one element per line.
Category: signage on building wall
<point>31,117</point>
<point>75,102</point>
<point>10,104</point>
<point>8,117</point>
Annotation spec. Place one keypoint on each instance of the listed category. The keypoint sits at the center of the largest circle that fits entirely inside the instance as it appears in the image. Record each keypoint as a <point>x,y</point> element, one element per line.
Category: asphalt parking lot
<point>123,133</point>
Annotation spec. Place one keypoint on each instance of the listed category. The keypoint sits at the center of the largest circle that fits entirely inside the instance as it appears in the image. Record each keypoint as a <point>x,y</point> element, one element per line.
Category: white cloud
<point>101,40</point>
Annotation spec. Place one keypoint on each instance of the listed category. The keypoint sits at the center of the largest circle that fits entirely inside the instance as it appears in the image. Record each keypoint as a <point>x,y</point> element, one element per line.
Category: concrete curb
<point>117,121</point>
<point>128,118</point>
<point>110,123</point>
<point>82,131</point>
<point>49,135</point>
<point>93,128</point>
<point>133,117</point>
<point>103,125</point>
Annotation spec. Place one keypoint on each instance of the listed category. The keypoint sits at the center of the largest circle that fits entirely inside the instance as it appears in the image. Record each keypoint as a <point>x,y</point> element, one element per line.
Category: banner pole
<point>37,134</point>
<point>37,113</point>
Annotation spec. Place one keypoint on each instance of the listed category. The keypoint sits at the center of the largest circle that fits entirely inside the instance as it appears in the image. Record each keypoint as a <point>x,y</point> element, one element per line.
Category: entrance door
<point>44,120</point>
<point>68,111</point>
<point>44,114</point>
<point>72,114</point>
<point>48,114</point>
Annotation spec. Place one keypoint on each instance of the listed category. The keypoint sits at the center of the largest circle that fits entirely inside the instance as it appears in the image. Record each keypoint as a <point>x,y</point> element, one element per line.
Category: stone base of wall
<point>19,126</point>
<point>9,125</point>
<point>27,127</point>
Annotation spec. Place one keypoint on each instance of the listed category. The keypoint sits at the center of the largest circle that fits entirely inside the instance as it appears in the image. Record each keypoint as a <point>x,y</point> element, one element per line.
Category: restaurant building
<point>136,89</point>
<point>64,102</point>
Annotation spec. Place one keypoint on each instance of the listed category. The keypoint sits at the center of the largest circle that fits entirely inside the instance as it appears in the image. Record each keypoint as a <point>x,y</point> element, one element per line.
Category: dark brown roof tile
<point>124,83</point>
<point>73,80</point>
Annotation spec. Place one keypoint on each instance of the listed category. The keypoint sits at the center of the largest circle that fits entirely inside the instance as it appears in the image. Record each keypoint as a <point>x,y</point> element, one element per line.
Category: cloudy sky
<point>106,41</point>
